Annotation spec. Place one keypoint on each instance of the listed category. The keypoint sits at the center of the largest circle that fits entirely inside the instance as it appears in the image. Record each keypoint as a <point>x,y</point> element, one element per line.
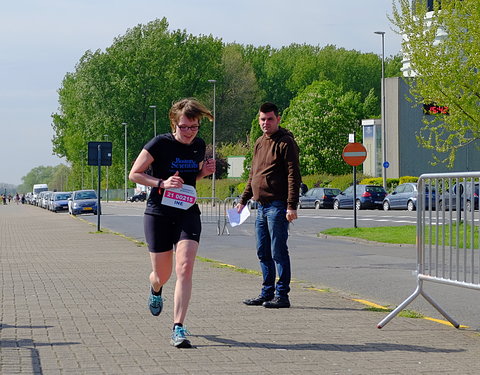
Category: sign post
<point>354,154</point>
<point>99,153</point>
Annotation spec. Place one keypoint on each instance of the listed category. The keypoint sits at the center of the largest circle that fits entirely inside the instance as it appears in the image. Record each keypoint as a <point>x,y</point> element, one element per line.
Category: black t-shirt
<point>170,156</point>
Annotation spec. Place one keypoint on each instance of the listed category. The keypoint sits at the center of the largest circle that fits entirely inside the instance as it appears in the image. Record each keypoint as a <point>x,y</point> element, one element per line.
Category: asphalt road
<point>382,274</point>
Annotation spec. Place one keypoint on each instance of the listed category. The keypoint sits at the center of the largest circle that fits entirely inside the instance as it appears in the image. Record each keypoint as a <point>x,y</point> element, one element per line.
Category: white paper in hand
<point>236,218</point>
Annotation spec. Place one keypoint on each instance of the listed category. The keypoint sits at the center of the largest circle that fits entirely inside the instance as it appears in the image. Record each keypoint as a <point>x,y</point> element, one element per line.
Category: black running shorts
<point>162,232</point>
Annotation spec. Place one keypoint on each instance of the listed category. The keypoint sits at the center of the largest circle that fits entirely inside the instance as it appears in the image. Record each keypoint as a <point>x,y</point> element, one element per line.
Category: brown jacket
<point>275,173</point>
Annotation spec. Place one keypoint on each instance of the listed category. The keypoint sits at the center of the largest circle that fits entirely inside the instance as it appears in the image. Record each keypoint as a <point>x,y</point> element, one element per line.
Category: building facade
<point>404,120</point>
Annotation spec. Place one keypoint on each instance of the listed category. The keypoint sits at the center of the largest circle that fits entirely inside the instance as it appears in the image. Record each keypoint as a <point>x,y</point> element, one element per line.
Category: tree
<point>38,175</point>
<point>237,96</point>
<point>447,72</point>
<point>321,117</point>
<point>149,65</point>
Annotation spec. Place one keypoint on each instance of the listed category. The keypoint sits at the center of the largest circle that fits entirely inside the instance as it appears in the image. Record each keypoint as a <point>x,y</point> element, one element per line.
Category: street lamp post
<point>125,124</point>
<point>106,186</point>
<point>384,130</point>
<point>154,119</point>
<point>213,135</point>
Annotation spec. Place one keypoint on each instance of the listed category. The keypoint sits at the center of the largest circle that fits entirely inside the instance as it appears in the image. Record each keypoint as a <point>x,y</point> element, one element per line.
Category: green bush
<point>372,181</point>
<point>392,183</point>
<point>405,179</point>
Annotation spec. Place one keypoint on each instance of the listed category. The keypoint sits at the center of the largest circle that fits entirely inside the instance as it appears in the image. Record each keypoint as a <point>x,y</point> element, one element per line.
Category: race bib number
<point>182,198</point>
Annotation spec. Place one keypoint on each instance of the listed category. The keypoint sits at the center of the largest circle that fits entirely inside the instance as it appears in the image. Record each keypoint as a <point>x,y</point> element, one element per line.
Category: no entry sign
<point>354,154</point>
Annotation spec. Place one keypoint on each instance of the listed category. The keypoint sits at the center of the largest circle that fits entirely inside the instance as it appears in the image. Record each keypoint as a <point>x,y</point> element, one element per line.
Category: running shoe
<point>178,338</point>
<point>155,303</point>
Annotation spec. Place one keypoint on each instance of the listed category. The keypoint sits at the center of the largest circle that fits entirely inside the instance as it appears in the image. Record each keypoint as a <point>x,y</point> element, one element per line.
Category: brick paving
<point>74,302</point>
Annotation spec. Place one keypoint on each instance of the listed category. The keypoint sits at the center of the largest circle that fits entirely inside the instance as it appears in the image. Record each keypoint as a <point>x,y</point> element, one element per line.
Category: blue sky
<point>42,40</point>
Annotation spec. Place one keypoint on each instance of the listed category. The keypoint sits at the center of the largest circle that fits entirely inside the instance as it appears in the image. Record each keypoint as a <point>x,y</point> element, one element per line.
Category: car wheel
<point>317,205</point>
<point>358,205</point>
<point>469,206</point>
<point>136,199</point>
<point>411,206</point>
<point>336,205</point>
<point>386,206</point>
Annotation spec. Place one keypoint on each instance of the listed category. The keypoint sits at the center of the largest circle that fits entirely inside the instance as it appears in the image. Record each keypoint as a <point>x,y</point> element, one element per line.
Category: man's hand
<point>291,215</point>
<point>239,207</point>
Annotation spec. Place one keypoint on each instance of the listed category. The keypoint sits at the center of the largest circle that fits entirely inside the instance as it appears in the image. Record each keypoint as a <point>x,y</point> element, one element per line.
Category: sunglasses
<point>185,128</point>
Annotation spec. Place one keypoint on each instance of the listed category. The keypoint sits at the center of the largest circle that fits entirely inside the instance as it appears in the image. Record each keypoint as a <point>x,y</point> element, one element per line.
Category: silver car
<point>59,201</point>
<point>82,201</point>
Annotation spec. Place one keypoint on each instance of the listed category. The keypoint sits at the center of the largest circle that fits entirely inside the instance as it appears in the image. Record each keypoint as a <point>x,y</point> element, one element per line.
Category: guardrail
<point>448,250</point>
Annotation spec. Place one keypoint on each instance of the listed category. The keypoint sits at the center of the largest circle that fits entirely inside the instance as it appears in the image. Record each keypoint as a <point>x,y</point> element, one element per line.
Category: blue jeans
<point>271,230</point>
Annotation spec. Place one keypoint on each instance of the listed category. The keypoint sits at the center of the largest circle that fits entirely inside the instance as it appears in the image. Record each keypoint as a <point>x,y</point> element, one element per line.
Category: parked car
<point>367,196</point>
<point>447,199</point>
<point>42,199</point>
<point>59,201</point>
<point>82,201</point>
<point>404,197</point>
<point>318,198</point>
<point>46,199</point>
<point>140,197</point>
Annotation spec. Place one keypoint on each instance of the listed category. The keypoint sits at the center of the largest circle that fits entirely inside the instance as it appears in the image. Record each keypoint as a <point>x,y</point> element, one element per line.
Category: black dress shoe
<point>277,303</point>
<point>258,301</point>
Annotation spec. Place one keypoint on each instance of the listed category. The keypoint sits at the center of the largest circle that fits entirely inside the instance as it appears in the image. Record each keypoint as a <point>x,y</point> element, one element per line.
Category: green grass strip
<point>407,234</point>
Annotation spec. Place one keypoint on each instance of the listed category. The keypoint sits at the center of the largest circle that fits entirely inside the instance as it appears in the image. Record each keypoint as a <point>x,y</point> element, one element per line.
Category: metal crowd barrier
<point>211,209</point>
<point>448,250</point>
<point>231,202</point>
<point>214,211</point>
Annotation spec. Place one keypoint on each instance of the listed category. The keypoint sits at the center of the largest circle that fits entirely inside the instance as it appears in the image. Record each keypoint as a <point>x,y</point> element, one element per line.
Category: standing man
<point>274,182</point>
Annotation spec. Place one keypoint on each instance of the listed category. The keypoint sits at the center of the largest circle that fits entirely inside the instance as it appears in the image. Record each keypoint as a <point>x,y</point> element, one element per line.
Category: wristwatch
<point>159,183</point>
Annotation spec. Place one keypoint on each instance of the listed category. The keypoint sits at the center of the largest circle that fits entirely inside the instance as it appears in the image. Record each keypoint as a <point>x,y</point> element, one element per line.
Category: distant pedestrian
<point>303,189</point>
<point>274,182</point>
<point>4,199</point>
<point>176,159</point>
<point>23,199</point>
<point>17,198</point>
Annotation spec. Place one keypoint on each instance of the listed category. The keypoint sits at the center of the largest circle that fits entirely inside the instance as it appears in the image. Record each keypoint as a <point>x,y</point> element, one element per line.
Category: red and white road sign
<point>354,154</point>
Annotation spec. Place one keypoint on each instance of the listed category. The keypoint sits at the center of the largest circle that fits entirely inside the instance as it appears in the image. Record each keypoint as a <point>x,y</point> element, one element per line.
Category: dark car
<point>404,197</point>
<point>367,196</point>
<point>140,197</point>
<point>318,198</point>
<point>465,194</point>
<point>82,201</point>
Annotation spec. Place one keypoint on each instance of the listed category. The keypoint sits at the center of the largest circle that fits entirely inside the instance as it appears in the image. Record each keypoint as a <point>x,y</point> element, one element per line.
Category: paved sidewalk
<point>74,302</point>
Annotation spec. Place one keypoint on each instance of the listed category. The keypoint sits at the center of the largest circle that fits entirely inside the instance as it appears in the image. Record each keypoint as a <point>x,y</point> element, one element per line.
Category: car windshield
<point>86,195</point>
<point>62,197</point>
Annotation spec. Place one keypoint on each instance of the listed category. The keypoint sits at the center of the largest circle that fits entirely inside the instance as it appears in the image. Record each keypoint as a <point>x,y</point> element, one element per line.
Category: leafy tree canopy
<point>321,117</point>
<point>444,49</point>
